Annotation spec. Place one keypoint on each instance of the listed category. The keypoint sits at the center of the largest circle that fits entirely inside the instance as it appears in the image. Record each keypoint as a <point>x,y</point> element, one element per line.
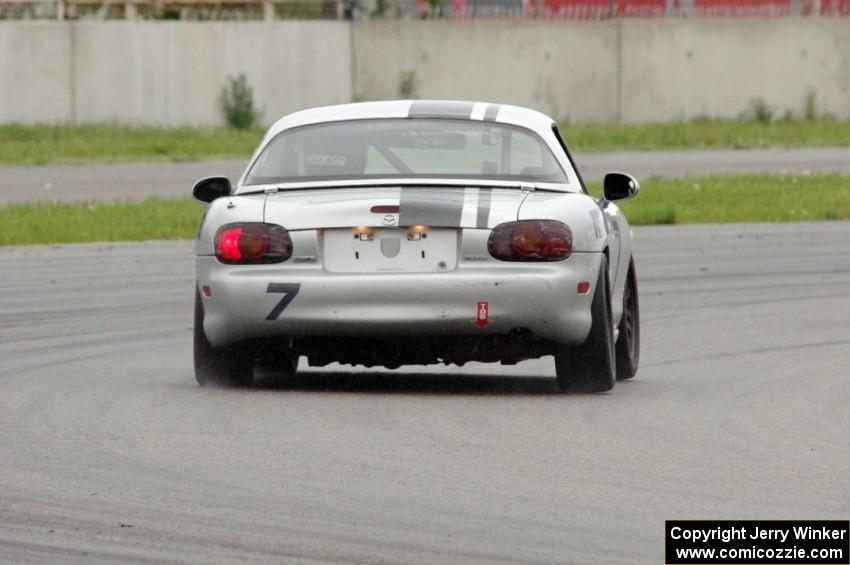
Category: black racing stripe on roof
<point>491,112</point>
<point>426,109</point>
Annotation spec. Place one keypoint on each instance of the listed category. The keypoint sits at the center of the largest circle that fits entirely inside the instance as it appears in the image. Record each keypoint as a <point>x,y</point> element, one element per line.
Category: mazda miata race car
<point>394,233</point>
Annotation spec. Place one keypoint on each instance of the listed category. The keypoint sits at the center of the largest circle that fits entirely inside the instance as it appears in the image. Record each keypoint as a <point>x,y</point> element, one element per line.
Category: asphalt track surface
<point>109,451</point>
<point>140,180</point>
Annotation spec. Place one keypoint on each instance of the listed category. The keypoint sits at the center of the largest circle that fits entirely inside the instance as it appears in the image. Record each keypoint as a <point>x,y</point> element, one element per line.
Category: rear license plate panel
<point>390,250</point>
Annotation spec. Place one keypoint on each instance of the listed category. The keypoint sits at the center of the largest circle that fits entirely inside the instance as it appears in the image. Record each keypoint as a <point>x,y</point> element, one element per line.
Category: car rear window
<point>411,147</point>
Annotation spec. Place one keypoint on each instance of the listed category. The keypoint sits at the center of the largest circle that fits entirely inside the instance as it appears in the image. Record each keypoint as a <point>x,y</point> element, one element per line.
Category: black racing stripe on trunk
<point>437,207</point>
<point>484,196</point>
<point>491,112</point>
<point>424,109</point>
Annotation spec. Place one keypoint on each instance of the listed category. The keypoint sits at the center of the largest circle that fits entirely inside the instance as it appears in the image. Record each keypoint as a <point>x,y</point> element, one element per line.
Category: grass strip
<point>153,218</point>
<point>42,144</point>
<point>707,134</point>
<point>747,198</point>
<point>662,201</point>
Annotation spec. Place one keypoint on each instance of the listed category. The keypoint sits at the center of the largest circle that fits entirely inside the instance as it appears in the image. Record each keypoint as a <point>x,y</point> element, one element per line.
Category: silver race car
<point>394,233</point>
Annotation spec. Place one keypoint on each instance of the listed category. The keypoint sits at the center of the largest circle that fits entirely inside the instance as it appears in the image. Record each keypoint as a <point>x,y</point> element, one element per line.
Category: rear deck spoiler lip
<point>398,182</point>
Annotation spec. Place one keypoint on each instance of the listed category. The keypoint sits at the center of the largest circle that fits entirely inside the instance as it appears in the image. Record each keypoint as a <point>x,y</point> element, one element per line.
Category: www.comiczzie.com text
<point>757,542</point>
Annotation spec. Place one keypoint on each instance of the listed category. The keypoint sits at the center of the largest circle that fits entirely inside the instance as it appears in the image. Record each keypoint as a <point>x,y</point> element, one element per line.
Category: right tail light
<point>531,240</point>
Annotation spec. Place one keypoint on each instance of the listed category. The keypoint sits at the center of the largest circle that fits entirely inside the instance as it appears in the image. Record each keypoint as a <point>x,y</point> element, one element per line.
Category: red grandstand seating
<point>602,9</point>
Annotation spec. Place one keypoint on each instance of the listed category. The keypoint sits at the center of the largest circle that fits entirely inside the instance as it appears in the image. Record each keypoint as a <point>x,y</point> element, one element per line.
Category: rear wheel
<point>232,365</point>
<point>628,342</point>
<point>590,367</point>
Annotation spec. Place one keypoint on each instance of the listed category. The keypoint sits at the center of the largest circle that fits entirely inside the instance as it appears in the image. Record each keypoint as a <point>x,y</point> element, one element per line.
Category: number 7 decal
<point>289,290</point>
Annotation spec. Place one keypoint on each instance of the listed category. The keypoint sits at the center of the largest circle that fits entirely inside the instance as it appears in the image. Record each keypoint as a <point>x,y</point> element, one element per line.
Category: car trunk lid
<point>391,229</point>
<point>435,207</point>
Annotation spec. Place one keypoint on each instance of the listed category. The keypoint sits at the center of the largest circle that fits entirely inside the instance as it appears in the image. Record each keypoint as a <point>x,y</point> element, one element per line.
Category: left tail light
<point>251,243</point>
<point>531,240</point>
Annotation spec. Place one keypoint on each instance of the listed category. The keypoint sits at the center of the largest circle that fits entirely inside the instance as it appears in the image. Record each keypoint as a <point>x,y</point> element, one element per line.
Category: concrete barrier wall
<point>167,72</point>
<point>568,70</point>
<point>680,69</point>
<point>629,71</point>
<point>35,73</point>
<point>625,71</point>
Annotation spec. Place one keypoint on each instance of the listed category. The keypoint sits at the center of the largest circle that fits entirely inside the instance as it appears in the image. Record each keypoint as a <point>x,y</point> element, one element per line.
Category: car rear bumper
<point>540,297</point>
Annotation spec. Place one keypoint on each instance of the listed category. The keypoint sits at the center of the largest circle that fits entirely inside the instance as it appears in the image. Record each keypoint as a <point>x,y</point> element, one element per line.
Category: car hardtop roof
<point>452,109</point>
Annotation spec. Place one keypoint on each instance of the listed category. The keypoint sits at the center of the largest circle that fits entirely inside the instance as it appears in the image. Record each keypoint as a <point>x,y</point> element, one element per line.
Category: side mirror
<point>210,188</point>
<point>619,186</point>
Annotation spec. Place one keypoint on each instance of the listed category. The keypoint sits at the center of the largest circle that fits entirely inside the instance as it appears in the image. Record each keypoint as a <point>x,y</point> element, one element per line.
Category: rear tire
<point>231,365</point>
<point>590,367</point>
<point>628,342</point>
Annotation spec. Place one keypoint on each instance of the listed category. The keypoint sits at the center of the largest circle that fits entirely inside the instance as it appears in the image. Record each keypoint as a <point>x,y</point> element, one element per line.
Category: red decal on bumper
<point>482,314</point>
